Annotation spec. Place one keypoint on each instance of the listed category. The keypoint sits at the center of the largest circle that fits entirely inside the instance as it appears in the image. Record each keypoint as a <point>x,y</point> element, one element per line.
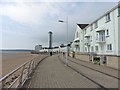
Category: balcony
<point>87,35</point>
<point>76,40</point>
<point>87,42</point>
<point>101,29</point>
<point>87,39</point>
<point>76,43</point>
<point>101,39</point>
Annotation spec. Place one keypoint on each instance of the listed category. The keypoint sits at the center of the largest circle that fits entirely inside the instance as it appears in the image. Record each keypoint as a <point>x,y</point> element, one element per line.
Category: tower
<point>50,41</point>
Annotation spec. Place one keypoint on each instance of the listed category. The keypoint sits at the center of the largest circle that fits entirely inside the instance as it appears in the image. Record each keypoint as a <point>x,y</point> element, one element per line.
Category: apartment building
<point>38,48</point>
<point>100,38</point>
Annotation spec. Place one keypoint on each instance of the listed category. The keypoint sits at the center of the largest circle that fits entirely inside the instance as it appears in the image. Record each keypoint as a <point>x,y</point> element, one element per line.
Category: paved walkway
<point>101,68</point>
<point>51,73</point>
<point>107,77</point>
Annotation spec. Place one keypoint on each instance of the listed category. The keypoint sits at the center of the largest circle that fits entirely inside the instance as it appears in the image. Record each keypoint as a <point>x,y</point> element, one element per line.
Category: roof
<point>82,26</point>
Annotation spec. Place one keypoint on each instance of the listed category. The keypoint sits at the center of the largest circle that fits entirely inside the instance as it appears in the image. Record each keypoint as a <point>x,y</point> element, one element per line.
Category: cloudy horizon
<point>26,24</point>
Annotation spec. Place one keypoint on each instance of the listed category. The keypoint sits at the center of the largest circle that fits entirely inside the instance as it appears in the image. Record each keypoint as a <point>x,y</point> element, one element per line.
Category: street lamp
<point>62,21</point>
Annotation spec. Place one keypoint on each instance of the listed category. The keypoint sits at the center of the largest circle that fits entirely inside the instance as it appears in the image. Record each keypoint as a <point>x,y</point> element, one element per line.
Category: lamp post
<point>62,21</point>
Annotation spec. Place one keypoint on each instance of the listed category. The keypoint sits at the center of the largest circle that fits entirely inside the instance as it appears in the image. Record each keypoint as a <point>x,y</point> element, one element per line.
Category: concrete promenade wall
<point>112,61</point>
<point>84,57</point>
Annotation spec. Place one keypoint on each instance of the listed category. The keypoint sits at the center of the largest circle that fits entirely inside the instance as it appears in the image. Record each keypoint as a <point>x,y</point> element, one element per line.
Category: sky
<point>26,23</point>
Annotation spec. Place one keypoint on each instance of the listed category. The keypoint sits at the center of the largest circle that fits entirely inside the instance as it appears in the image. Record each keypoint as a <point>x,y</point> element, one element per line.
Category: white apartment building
<point>38,48</point>
<point>101,37</point>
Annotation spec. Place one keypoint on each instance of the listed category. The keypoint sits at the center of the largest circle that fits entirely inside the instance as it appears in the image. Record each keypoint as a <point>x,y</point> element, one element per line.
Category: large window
<point>96,48</point>
<point>109,47</point>
<point>108,17</point>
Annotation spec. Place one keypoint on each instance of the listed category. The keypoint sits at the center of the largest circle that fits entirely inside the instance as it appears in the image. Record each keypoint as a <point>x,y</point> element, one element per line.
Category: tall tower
<point>50,40</point>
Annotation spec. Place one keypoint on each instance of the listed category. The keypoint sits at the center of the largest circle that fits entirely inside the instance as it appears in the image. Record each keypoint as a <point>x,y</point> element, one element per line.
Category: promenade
<point>53,73</point>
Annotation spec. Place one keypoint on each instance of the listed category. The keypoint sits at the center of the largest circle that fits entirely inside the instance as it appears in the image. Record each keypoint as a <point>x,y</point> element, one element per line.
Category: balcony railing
<point>87,41</point>
<point>76,43</point>
<point>101,39</point>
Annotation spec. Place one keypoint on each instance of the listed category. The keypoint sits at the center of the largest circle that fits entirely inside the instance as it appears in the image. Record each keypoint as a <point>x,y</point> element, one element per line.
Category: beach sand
<point>10,61</point>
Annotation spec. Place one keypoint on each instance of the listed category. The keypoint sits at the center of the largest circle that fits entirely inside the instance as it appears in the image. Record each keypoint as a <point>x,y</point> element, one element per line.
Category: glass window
<point>91,38</point>
<point>85,31</point>
<point>109,47</point>
<point>92,49</point>
<point>96,48</point>
<point>77,35</point>
<point>107,32</point>
<point>91,27</point>
<point>85,49</point>
<point>107,17</point>
<point>97,36</point>
<point>119,11</point>
<point>96,24</point>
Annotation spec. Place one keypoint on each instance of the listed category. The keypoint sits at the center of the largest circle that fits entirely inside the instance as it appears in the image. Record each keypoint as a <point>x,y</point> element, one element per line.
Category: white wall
<point>119,35</point>
<point>113,38</point>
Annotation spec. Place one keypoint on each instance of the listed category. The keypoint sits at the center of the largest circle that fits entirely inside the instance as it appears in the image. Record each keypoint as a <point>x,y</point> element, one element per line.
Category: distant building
<point>38,48</point>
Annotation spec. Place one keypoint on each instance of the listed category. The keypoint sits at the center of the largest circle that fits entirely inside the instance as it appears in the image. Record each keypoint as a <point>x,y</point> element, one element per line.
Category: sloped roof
<point>82,26</point>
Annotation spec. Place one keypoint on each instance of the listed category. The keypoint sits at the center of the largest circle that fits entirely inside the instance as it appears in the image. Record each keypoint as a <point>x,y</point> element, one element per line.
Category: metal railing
<point>17,77</point>
<point>101,38</point>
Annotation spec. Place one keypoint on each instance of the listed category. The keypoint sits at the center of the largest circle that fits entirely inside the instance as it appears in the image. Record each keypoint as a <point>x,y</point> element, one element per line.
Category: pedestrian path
<point>99,68</point>
<point>103,79</point>
<point>51,73</point>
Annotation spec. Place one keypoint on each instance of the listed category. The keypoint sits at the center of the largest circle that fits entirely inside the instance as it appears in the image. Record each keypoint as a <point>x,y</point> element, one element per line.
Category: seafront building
<point>100,39</point>
<point>38,48</point>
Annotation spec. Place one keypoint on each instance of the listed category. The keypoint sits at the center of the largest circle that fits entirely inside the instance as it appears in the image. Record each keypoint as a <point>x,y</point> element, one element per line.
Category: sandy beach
<point>10,61</point>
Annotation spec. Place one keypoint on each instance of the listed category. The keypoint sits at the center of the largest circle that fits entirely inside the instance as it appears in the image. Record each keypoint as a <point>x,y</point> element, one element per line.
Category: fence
<point>17,77</point>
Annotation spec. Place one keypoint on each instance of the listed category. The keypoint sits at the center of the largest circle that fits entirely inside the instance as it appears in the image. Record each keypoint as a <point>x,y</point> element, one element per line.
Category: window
<point>119,11</point>
<point>91,38</point>
<point>85,31</point>
<point>96,24</point>
<point>91,27</point>
<point>108,17</point>
<point>92,49</point>
<point>97,36</point>
<point>85,49</point>
<point>109,47</point>
<point>96,48</point>
<point>107,32</point>
<point>77,35</point>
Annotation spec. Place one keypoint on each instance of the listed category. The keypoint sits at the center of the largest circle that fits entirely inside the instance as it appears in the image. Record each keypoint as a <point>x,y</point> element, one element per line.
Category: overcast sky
<point>26,23</point>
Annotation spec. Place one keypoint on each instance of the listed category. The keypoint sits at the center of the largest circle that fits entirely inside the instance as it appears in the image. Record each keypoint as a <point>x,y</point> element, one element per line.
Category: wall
<point>83,57</point>
<point>112,61</point>
<point>119,35</point>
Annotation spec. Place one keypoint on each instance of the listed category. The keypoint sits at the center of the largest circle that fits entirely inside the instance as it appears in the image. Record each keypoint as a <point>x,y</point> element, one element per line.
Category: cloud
<point>29,23</point>
<point>27,13</point>
<point>59,0</point>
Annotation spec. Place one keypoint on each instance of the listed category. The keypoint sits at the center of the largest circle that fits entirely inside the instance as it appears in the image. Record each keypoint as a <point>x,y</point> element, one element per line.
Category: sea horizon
<point>14,50</point>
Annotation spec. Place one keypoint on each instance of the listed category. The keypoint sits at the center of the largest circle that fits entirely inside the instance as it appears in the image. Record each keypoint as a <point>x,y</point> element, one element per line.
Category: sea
<point>15,51</point>
<point>13,54</point>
